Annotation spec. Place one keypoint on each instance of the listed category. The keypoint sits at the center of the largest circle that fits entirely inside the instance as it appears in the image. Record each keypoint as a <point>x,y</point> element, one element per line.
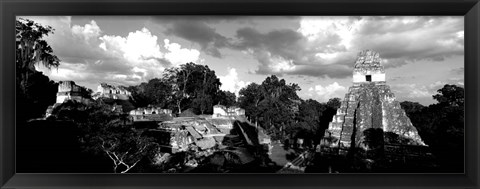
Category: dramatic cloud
<point>231,82</point>
<point>335,31</point>
<point>88,57</point>
<point>67,72</point>
<point>289,52</point>
<point>320,42</point>
<point>138,52</point>
<point>88,31</point>
<point>199,32</point>
<point>408,39</point>
<point>333,90</point>
<point>143,54</point>
<point>98,49</point>
<point>327,46</point>
<point>178,55</point>
<point>315,49</point>
<point>139,47</point>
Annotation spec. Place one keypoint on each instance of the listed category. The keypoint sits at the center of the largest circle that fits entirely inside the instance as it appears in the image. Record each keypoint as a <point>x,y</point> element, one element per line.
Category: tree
<point>441,126</point>
<point>107,133</point>
<point>35,91</point>
<point>249,98</point>
<point>178,79</point>
<point>203,102</point>
<point>156,92</point>
<point>207,87</point>
<point>450,95</point>
<point>124,146</point>
<point>190,81</point>
<point>226,98</point>
<point>273,104</point>
<point>32,49</point>
<point>334,103</point>
<point>411,107</point>
<point>311,112</point>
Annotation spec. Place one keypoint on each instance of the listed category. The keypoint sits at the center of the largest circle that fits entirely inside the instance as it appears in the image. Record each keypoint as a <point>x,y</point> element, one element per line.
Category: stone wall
<point>369,120</point>
<point>368,63</point>
<point>223,111</point>
<point>114,92</point>
<point>68,90</point>
<point>370,106</point>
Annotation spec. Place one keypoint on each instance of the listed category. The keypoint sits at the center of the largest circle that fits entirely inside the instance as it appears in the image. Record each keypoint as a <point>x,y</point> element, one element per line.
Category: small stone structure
<point>149,113</point>
<point>368,69</point>
<point>68,90</point>
<point>206,133</point>
<point>369,118</point>
<point>110,91</point>
<point>223,111</point>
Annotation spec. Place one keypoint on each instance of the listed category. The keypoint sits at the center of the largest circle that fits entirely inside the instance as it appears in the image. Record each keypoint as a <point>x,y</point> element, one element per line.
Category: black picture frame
<point>470,9</point>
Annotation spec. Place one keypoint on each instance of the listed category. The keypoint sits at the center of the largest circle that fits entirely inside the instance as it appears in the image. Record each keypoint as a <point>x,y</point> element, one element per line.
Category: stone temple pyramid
<point>369,107</point>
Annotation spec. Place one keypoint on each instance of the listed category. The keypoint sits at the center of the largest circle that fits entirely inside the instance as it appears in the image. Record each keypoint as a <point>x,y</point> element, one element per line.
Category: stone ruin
<point>205,138</point>
<point>223,111</point>
<point>369,119</point>
<point>68,90</point>
<point>110,91</point>
<point>150,113</point>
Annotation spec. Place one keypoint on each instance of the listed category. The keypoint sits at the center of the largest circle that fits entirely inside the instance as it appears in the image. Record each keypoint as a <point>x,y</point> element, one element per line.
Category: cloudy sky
<point>420,54</point>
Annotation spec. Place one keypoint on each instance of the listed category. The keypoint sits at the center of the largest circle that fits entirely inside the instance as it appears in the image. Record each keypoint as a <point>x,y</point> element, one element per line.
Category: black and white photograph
<point>239,94</point>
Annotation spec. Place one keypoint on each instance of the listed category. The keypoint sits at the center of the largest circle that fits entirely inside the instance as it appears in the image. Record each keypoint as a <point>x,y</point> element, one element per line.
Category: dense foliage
<point>35,92</point>
<point>189,86</point>
<point>441,126</point>
<point>276,106</point>
<point>107,133</point>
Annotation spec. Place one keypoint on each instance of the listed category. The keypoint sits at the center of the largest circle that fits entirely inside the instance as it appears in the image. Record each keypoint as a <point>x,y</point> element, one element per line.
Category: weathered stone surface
<point>68,90</point>
<point>370,131</point>
<point>110,91</point>
<point>368,68</point>
<point>369,105</point>
<point>223,111</point>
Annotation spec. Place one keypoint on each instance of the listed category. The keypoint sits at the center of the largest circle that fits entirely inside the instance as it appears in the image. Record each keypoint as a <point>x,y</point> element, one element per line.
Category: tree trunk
<point>178,105</point>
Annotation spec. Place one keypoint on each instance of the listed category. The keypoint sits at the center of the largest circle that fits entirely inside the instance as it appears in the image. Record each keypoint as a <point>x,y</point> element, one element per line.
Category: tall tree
<point>190,81</point>
<point>155,92</point>
<point>310,113</point>
<point>203,102</point>
<point>226,98</point>
<point>210,87</point>
<point>35,91</point>
<point>178,80</point>
<point>451,95</point>
<point>334,103</point>
<point>249,98</point>
<point>273,104</point>
<point>32,49</point>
